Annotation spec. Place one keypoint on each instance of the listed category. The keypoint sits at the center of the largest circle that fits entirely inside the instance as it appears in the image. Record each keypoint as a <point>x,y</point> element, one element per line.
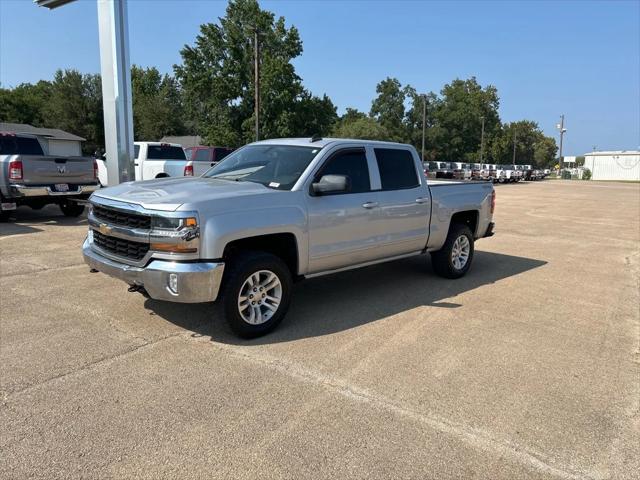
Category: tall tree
<point>389,110</point>
<point>157,109</point>
<point>459,118</point>
<point>75,105</point>
<point>531,145</point>
<point>25,103</point>
<point>217,78</point>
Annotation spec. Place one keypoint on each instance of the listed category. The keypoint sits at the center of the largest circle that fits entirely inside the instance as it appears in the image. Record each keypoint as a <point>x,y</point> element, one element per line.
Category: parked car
<point>504,174</point>
<point>430,169</point>
<point>516,172</point>
<point>157,160</point>
<point>278,210</point>
<point>29,177</point>
<point>476,171</point>
<point>204,158</point>
<point>488,172</point>
<point>461,171</point>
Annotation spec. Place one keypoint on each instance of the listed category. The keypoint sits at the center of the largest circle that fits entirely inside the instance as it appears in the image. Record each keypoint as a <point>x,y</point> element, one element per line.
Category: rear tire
<point>256,293</point>
<point>71,209</point>
<point>454,259</point>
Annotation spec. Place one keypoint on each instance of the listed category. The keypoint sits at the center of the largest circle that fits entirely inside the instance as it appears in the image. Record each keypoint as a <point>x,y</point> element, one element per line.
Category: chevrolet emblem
<point>104,229</point>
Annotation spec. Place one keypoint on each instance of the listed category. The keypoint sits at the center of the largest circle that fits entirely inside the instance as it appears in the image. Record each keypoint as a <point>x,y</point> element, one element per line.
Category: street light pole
<point>482,141</point>
<point>424,121</point>
<point>256,51</point>
<point>515,136</point>
<point>560,127</point>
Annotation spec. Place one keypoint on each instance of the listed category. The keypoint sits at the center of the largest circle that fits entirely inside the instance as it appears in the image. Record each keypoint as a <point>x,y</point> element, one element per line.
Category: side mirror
<point>331,184</point>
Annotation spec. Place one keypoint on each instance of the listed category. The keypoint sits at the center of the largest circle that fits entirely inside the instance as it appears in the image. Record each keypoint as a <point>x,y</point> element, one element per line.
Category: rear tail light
<point>493,201</point>
<point>95,169</point>
<point>15,170</point>
<point>188,170</point>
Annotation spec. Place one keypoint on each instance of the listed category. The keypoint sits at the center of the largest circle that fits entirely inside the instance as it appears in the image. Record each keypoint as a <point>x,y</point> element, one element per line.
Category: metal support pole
<point>424,121</point>
<point>482,141</point>
<point>256,50</point>
<point>561,138</point>
<point>116,90</point>
<point>515,137</point>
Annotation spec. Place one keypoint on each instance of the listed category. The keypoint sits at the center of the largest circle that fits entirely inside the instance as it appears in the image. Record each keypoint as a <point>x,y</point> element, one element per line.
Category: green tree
<point>157,107</point>
<point>217,78</point>
<point>75,105</point>
<point>388,108</point>
<point>413,122</point>
<point>458,117</point>
<point>532,147</point>
<point>359,126</point>
<point>25,103</point>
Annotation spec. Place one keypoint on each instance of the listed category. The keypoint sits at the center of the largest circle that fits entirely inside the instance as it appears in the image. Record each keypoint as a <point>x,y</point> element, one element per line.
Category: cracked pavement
<point>529,367</point>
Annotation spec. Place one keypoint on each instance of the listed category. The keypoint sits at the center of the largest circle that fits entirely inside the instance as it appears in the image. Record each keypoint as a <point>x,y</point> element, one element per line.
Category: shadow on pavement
<point>334,303</point>
<point>25,220</point>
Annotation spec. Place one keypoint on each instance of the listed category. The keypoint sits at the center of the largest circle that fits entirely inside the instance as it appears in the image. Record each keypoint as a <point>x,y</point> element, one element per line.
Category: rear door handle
<point>422,200</point>
<point>370,204</point>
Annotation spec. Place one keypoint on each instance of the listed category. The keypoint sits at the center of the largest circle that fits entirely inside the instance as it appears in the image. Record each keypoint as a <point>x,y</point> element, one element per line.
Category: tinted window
<point>13,145</point>
<point>353,164</point>
<point>202,155</point>
<point>220,153</point>
<point>397,169</point>
<point>433,165</point>
<point>136,151</point>
<point>275,166</point>
<point>165,152</point>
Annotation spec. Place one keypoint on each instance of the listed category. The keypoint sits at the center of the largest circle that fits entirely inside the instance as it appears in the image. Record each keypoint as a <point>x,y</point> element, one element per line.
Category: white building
<point>616,165</point>
<point>53,140</point>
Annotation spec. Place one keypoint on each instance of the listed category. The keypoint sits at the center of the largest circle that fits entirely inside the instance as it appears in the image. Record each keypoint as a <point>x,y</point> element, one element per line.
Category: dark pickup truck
<point>29,177</point>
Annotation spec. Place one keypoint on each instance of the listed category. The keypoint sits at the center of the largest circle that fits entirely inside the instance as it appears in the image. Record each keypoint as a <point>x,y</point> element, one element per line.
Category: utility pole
<point>560,126</point>
<point>515,136</point>
<point>256,52</point>
<point>424,121</point>
<point>482,141</point>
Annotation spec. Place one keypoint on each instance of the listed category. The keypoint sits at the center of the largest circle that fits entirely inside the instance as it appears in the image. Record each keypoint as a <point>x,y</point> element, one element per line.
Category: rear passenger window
<point>202,155</point>
<point>353,164</point>
<point>397,169</point>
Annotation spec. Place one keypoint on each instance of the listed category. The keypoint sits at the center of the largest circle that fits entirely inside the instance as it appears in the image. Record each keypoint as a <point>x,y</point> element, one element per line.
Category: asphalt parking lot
<point>529,367</point>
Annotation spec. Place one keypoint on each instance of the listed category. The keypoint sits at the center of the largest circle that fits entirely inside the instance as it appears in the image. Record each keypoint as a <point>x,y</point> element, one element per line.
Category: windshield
<point>275,166</point>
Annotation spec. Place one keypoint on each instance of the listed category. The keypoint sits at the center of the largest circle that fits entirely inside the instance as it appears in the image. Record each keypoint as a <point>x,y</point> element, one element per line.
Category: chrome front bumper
<point>46,191</point>
<point>196,281</point>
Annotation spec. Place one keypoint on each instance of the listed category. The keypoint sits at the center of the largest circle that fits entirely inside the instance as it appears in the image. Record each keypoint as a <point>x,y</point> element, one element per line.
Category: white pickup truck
<point>277,211</point>
<point>158,160</point>
<point>154,160</point>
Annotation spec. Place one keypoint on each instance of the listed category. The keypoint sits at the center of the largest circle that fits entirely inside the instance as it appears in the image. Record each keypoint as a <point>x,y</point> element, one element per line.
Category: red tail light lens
<point>15,170</point>
<point>188,170</point>
<point>95,169</point>
<point>493,201</point>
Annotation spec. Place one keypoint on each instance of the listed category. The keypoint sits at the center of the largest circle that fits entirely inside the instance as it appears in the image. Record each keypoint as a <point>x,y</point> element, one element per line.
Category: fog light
<point>173,283</point>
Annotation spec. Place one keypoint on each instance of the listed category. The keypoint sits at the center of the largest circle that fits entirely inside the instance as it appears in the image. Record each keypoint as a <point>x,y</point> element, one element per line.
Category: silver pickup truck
<point>277,211</point>
<point>29,177</point>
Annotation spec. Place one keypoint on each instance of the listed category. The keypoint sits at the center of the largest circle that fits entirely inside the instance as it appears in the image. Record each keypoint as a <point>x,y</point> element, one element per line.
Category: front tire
<point>71,209</point>
<point>256,293</point>
<point>453,260</point>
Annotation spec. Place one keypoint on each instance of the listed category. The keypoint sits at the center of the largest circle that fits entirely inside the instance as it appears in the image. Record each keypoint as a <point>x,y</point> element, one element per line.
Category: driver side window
<point>353,164</point>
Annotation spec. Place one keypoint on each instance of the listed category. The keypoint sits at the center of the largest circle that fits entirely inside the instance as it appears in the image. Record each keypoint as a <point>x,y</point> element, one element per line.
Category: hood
<point>169,194</point>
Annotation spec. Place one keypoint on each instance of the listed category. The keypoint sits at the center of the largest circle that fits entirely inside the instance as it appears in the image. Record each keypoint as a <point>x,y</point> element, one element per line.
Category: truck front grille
<point>118,217</point>
<point>120,247</point>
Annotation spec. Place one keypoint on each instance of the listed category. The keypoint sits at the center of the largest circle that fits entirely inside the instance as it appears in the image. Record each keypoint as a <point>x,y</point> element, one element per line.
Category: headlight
<point>173,223</point>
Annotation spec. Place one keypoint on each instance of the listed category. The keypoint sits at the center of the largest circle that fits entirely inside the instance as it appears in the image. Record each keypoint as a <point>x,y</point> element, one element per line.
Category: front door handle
<point>422,200</point>
<point>370,204</point>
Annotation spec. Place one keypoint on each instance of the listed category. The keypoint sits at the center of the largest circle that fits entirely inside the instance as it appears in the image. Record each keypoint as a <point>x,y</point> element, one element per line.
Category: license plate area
<point>61,187</point>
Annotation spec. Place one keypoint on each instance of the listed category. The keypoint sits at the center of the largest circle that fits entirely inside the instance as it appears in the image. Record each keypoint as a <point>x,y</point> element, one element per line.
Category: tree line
<point>211,94</point>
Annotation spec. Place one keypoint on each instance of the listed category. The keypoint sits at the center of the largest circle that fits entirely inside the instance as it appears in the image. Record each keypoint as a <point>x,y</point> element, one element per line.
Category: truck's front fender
<point>221,229</point>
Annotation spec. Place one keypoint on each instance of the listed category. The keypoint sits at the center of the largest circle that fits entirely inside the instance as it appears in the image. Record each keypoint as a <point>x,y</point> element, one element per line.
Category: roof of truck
<point>323,142</point>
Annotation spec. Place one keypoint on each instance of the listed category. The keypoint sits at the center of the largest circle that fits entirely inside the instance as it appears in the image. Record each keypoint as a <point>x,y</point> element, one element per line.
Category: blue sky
<point>546,58</point>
